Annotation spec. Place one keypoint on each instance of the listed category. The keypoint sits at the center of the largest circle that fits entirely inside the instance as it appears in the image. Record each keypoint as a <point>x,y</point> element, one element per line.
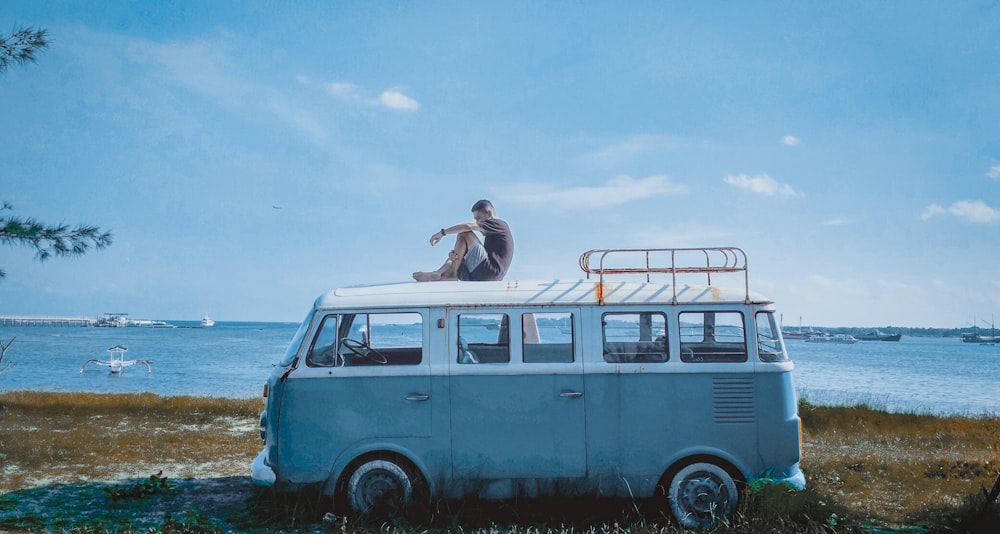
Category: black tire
<point>382,485</point>
<point>700,493</point>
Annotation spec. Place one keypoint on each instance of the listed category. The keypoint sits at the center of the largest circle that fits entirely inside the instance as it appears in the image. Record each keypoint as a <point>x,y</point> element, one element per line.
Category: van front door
<point>517,409</point>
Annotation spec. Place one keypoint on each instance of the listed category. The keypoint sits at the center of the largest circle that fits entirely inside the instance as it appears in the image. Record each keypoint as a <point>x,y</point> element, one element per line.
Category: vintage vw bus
<point>612,385</point>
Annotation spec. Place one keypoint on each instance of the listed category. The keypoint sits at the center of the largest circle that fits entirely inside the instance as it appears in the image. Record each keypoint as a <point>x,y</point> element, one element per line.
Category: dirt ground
<point>60,458</point>
<point>61,506</point>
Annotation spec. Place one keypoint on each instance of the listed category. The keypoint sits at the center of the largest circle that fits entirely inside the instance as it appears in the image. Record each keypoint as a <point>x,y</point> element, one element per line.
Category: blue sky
<point>248,156</point>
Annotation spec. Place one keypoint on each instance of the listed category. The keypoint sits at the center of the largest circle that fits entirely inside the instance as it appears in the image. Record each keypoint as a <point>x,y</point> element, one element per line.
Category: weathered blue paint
<point>586,426</point>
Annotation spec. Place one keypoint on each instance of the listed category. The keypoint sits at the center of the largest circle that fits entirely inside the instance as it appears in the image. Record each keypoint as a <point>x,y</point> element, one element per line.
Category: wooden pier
<point>34,320</point>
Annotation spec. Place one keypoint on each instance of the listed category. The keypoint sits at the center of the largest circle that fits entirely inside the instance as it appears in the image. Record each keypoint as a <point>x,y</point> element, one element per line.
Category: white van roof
<point>602,285</point>
<point>531,292</point>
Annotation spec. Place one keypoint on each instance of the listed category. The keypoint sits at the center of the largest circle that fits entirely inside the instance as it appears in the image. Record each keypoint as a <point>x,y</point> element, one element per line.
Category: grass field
<point>118,463</point>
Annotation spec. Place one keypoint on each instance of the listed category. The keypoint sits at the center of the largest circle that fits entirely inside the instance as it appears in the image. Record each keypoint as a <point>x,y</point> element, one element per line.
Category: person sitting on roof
<point>472,259</point>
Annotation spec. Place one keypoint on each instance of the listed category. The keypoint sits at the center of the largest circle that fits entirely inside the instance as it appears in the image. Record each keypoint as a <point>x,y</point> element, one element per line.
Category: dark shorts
<point>473,258</point>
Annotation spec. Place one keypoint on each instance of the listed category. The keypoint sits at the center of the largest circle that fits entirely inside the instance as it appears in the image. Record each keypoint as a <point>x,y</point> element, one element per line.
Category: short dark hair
<point>482,205</point>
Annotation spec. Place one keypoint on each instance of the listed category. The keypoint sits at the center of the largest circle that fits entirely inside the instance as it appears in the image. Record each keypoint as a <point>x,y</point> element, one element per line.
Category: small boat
<point>788,334</point>
<point>875,335</point>
<point>845,339</point>
<point>117,361</point>
<point>207,321</point>
<point>797,334</point>
<point>976,337</point>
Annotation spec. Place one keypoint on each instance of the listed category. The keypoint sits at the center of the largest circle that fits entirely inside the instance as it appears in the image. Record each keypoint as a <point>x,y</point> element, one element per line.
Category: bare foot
<point>421,276</point>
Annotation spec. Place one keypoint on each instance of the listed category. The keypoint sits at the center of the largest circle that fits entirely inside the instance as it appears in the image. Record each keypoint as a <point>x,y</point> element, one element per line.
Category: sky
<point>249,156</point>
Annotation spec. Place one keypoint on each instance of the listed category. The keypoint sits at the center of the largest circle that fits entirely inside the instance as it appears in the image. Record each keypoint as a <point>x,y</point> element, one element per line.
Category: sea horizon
<point>921,374</point>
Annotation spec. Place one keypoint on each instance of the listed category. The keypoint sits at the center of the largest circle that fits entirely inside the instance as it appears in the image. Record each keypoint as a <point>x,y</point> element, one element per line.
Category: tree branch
<point>21,46</point>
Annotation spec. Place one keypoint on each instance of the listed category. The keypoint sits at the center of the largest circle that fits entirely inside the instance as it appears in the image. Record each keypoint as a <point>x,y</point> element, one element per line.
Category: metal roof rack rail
<point>671,261</point>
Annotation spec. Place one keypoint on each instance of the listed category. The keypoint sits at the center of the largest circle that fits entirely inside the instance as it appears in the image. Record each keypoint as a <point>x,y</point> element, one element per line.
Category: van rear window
<point>547,337</point>
<point>635,337</point>
<point>712,337</point>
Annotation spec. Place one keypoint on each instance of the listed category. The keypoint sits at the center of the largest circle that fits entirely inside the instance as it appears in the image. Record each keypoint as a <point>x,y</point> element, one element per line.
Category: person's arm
<point>456,229</point>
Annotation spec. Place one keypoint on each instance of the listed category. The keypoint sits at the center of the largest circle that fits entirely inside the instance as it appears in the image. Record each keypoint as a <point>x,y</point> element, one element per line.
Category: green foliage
<point>47,240</point>
<point>20,47</point>
<point>59,240</point>
<point>29,522</point>
<point>190,522</point>
<point>153,485</point>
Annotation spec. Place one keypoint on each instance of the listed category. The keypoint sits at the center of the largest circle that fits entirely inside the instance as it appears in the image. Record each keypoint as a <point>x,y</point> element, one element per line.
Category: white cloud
<point>974,210</point>
<point>205,67</point>
<point>790,140</point>
<point>300,119</point>
<point>390,98</point>
<point>394,99</point>
<point>343,90</point>
<point>837,221</point>
<point>932,211</point>
<point>615,192</point>
<point>628,149</point>
<point>994,172</point>
<point>199,65</point>
<point>761,184</point>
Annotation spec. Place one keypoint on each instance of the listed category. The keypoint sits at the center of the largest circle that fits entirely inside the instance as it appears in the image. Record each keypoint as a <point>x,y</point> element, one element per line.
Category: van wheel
<point>382,485</point>
<point>700,493</point>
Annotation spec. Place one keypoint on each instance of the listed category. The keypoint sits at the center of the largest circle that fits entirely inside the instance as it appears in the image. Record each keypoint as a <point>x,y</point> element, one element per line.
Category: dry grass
<point>898,468</point>
<point>50,438</point>
<point>864,467</point>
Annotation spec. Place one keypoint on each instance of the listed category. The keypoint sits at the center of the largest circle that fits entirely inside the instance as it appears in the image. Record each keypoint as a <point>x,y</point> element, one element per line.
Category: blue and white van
<point>613,385</point>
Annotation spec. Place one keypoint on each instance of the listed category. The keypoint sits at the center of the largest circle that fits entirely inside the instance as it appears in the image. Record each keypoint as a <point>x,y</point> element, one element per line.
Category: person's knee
<point>464,242</point>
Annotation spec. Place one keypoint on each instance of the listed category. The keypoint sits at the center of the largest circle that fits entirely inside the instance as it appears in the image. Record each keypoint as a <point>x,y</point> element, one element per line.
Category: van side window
<point>382,338</point>
<point>769,345</point>
<point>547,337</point>
<point>323,350</point>
<point>483,338</point>
<point>712,337</point>
<point>634,337</point>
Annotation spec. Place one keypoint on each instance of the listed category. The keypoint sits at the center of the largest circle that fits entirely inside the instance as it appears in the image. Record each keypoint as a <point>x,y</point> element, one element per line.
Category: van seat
<point>548,352</point>
<point>716,352</point>
<point>464,354</point>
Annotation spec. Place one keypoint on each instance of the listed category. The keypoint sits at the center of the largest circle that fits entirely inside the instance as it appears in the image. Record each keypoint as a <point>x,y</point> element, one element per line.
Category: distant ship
<point>976,337</point>
<point>846,339</point>
<point>207,321</point>
<point>875,335</point>
<point>790,334</point>
<point>797,334</point>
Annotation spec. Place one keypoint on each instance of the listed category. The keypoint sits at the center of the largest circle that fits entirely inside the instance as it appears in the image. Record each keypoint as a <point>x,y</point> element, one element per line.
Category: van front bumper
<point>796,478</point>
<point>260,472</point>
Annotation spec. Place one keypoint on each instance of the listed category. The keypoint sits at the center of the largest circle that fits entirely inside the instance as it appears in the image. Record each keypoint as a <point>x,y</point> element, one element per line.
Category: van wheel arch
<point>719,473</point>
<point>371,473</point>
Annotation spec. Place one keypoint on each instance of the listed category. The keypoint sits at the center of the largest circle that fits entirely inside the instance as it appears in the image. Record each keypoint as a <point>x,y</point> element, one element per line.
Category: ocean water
<point>916,374</point>
<point>225,360</point>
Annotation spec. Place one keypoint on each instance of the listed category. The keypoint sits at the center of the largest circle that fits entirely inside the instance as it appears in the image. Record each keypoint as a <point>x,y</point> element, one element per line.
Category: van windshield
<point>293,347</point>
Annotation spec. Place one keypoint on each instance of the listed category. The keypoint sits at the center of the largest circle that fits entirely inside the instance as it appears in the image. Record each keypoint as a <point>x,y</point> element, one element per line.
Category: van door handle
<point>417,397</point>
<point>571,394</point>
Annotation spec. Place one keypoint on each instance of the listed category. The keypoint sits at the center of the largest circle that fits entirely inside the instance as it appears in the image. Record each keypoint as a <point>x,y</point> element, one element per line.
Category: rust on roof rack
<point>672,261</point>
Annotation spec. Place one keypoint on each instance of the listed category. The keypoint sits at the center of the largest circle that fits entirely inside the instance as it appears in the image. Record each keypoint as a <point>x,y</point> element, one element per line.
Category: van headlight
<point>263,425</point>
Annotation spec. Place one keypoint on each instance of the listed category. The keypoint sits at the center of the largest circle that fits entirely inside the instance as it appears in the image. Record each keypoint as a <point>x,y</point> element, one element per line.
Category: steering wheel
<point>362,350</point>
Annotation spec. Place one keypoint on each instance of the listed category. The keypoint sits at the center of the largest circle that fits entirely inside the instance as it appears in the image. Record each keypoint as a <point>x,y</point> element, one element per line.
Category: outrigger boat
<point>117,361</point>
